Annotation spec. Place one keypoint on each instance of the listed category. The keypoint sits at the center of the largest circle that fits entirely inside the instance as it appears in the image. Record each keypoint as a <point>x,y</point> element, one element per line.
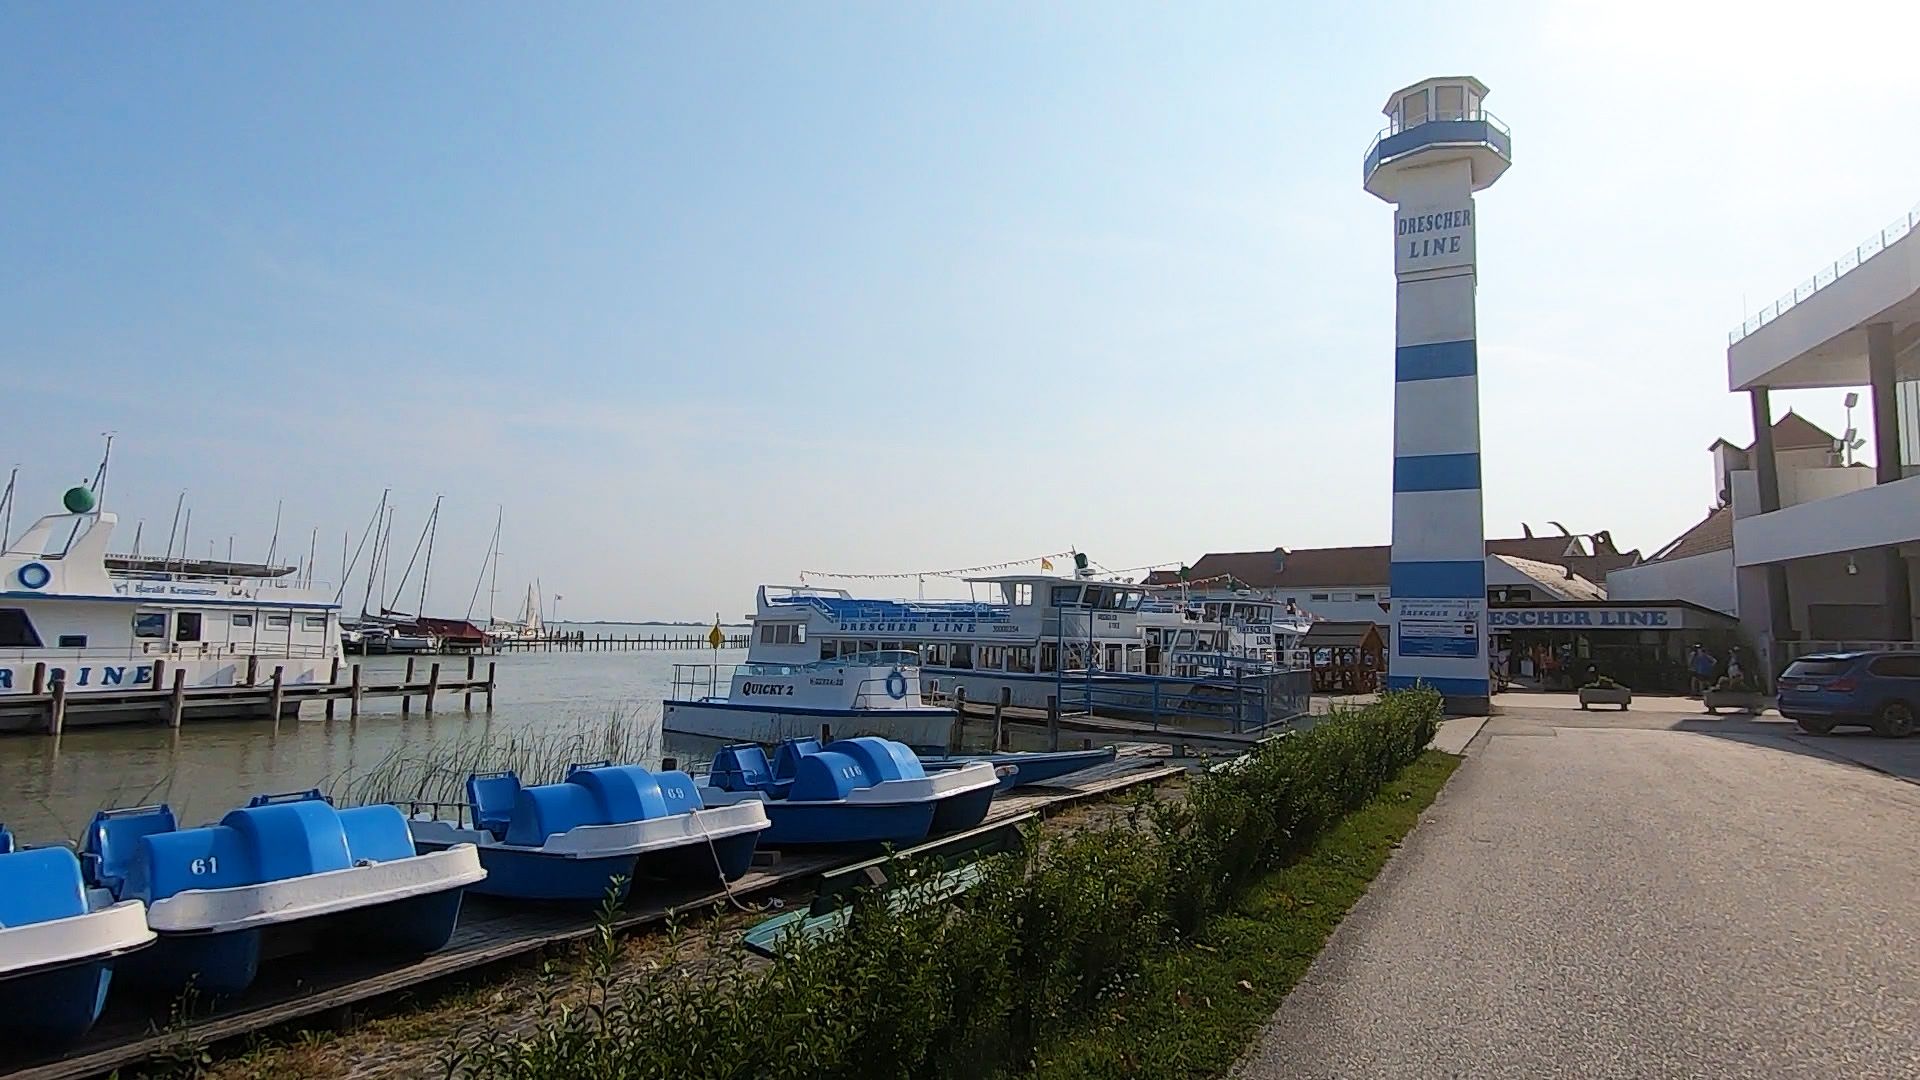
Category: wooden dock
<point>580,641</point>
<point>322,988</point>
<point>48,708</point>
<point>1001,718</point>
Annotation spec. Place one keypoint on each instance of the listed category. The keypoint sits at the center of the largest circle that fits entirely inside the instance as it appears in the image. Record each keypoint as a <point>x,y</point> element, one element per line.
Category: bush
<point>970,988</point>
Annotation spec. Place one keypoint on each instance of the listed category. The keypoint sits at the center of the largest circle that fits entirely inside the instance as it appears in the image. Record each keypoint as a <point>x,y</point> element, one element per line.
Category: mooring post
<point>57,708</point>
<point>177,707</point>
<point>466,700</point>
<point>999,718</point>
<point>669,764</point>
<point>278,697</point>
<point>253,669</point>
<point>826,734</point>
<point>159,675</point>
<point>489,686</point>
<point>406,690</point>
<point>40,678</point>
<point>1053,722</point>
<point>353,698</point>
<point>958,738</point>
<point>433,684</point>
<point>333,680</point>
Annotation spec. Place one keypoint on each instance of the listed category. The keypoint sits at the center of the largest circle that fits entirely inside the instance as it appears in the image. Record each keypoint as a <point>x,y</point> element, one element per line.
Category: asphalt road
<point>1598,897</point>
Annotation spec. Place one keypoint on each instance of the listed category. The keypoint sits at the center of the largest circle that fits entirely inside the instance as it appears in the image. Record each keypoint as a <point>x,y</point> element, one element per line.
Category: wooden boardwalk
<point>50,709</point>
<point>492,932</point>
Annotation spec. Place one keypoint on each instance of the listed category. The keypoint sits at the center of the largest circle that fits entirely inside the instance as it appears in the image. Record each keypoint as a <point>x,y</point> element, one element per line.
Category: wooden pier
<point>1001,718</point>
<point>582,641</point>
<point>50,709</point>
<point>327,989</point>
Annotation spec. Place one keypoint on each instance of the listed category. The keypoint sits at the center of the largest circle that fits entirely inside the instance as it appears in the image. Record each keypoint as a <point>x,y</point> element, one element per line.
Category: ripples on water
<point>49,788</point>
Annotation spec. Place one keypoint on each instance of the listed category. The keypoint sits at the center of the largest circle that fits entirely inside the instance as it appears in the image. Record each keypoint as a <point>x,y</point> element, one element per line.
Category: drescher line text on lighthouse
<point>1420,223</point>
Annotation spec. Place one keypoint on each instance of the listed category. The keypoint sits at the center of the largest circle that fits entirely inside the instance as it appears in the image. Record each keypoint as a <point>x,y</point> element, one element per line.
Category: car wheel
<point>1894,720</point>
<point>1815,725</point>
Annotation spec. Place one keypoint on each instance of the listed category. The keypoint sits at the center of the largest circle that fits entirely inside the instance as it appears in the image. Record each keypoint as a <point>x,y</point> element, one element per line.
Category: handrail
<point>1840,267</point>
<point>1466,114</point>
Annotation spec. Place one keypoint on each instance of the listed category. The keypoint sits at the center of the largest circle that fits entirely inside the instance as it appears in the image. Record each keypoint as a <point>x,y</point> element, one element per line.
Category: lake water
<point>49,788</point>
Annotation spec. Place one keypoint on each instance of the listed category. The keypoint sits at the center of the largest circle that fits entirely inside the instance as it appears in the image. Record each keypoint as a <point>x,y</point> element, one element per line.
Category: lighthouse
<point>1439,147</point>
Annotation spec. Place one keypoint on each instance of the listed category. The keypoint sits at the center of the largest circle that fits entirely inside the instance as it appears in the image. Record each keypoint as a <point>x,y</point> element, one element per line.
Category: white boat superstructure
<point>1197,630</point>
<point>528,627</point>
<point>96,628</point>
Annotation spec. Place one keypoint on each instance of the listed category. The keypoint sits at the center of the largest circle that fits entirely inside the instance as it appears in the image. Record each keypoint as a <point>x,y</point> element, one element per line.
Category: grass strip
<point>1194,1008</point>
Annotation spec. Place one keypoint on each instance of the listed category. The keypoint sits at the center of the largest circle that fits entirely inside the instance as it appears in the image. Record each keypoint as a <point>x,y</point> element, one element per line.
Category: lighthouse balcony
<point>1478,135</point>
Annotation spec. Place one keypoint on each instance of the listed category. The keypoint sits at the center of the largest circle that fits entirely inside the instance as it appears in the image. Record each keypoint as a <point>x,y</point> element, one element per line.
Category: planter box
<point>1741,701</point>
<point>1619,695</point>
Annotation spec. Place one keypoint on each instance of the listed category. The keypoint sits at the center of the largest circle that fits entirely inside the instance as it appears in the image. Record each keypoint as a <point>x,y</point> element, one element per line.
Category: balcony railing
<point>1874,245</point>
<point>1487,128</point>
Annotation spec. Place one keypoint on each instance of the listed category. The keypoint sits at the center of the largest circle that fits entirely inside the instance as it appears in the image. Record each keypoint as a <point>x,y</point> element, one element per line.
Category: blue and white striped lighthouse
<point>1440,146</point>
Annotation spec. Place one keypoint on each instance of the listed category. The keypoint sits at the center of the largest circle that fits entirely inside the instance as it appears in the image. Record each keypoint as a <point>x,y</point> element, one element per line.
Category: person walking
<point>1704,664</point>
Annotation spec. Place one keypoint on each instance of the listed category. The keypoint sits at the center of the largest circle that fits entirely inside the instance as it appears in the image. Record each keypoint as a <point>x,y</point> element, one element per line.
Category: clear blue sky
<point>708,297</point>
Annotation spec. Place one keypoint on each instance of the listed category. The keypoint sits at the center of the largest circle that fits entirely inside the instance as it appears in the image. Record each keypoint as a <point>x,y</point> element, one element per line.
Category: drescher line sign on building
<point>1433,237</point>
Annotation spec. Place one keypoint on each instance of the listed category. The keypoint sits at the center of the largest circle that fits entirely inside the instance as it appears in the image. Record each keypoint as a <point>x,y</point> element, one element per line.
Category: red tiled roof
<point>1792,432</point>
<point>1308,567</point>
<point>1713,533</point>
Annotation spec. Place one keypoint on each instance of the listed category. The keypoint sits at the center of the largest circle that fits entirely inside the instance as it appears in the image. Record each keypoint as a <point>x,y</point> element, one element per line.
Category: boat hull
<point>962,811</point>
<point>819,824</point>
<point>56,1006</point>
<point>227,962</point>
<point>767,725</point>
<point>516,874</point>
<point>1029,768</point>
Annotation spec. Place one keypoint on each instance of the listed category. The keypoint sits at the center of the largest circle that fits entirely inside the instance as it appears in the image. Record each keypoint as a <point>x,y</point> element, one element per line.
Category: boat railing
<point>164,651</point>
<point>701,680</point>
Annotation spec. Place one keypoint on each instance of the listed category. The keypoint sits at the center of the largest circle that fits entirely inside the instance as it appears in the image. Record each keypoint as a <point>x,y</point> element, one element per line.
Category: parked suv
<point>1880,690</point>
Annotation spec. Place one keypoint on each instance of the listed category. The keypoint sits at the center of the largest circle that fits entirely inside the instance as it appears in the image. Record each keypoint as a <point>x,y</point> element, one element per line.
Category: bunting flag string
<point>964,571</point>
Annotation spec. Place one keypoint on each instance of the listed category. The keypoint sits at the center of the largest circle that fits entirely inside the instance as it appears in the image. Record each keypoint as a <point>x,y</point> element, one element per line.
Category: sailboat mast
<point>372,563</point>
<point>426,569</point>
<point>493,553</point>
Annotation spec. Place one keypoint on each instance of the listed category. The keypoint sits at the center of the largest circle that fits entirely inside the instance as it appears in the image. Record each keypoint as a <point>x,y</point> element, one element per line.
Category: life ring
<point>897,685</point>
<point>34,575</point>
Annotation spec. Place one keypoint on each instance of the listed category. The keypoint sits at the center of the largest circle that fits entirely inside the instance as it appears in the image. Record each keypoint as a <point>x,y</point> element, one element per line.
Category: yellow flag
<point>1046,563</point>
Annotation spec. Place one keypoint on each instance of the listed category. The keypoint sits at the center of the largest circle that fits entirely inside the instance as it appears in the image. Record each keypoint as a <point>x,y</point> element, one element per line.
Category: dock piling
<point>466,699</point>
<point>406,688</point>
<point>177,705</point>
<point>159,675</point>
<point>490,685</point>
<point>57,708</point>
<point>40,678</point>
<point>333,680</point>
<point>826,734</point>
<point>278,697</point>
<point>958,738</point>
<point>999,718</point>
<point>353,699</point>
<point>253,669</point>
<point>1053,722</point>
<point>433,686</point>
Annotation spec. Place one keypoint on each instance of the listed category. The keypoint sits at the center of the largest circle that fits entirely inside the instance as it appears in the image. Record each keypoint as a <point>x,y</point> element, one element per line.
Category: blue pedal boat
<point>852,791</point>
<point>1025,768</point>
<point>285,873</point>
<point>572,840</point>
<point>59,942</point>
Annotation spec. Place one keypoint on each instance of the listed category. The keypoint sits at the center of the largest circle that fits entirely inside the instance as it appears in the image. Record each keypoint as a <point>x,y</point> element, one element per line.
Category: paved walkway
<point>1600,896</point>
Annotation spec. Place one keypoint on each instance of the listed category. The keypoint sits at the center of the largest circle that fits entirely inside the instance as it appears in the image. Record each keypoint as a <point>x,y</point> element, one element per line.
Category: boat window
<point>992,658</point>
<point>186,626</point>
<point>1363,596</point>
<point>766,633</point>
<point>889,646</point>
<point>16,630</point>
<point>1066,596</point>
<point>1342,597</point>
<point>73,641</point>
<point>1319,596</point>
<point>937,655</point>
<point>799,633</point>
<point>869,646</point>
<point>149,624</point>
<point>242,619</point>
<point>279,622</point>
<point>1049,657</point>
<point>314,622</point>
<point>1023,594</point>
<point>829,649</point>
<point>1020,658</point>
<point>963,656</point>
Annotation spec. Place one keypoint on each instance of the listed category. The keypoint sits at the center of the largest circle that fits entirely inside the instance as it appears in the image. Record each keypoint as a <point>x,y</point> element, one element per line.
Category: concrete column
<point>1767,471</point>
<point>1886,455</point>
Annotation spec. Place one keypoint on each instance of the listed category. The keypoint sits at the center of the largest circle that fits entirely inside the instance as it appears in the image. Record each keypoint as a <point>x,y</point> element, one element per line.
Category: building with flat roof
<point>1823,552</point>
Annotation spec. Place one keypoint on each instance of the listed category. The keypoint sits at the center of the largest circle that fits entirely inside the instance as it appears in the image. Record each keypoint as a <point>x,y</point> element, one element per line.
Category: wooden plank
<point>492,932</point>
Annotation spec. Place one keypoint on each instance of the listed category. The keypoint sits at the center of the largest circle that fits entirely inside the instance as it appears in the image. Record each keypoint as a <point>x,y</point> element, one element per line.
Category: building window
<point>279,622</point>
<point>1320,597</point>
<point>1448,102</point>
<point>186,626</point>
<point>314,622</point>
<point>73,641</point>
<point>243,619</point>
<point>1363,596</point>
<point>17,632</point>
<point>148,624</point>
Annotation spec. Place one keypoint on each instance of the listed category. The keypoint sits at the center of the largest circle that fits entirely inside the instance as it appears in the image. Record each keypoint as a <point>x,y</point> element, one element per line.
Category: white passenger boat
<point>1037,636</point>
<point>873,693</point>
<point>70,612</point>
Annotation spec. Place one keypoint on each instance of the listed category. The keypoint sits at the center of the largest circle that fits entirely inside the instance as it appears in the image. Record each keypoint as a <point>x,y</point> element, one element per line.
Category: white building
<point>1807,549</point>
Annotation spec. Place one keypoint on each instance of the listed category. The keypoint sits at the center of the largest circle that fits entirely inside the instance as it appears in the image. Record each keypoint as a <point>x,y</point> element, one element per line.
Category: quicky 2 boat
<point>59,942</point>
<point>599,829</point>
<point>281,874</point>
<point>852,791</point>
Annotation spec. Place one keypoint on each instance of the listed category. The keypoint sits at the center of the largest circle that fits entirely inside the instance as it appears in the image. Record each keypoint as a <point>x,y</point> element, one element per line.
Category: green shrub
<point>972,987</point>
